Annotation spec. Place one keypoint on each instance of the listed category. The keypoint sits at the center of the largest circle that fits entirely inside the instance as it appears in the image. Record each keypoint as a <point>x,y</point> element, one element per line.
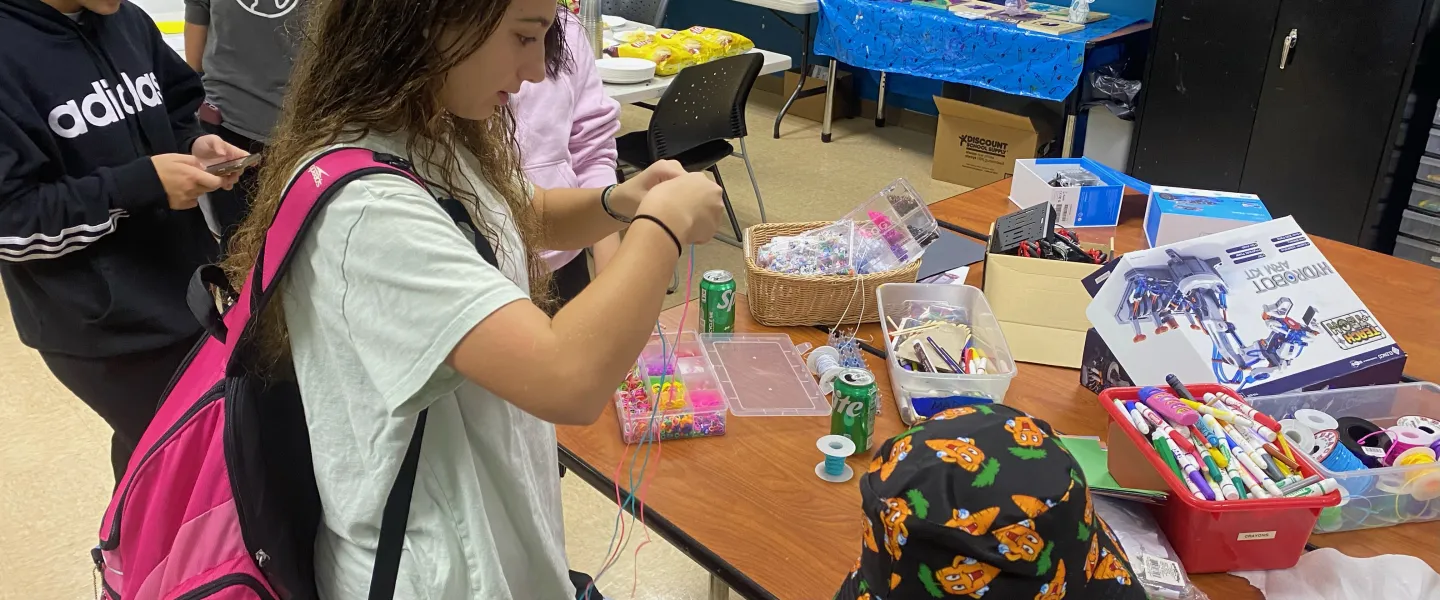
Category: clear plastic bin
<point>763,376</point>
<point>698,409</point>
<point>1375,497</point>
<point>1425,197</point>
<point>900,216</point>
<point>1421,226</point>
<point>1432,145</point>
<point>1417,251</point>
<point>1429,171</point>
<point>909,386</point>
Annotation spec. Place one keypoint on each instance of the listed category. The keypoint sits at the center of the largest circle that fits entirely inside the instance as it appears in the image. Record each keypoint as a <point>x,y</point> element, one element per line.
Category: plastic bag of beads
<point>824,251</point>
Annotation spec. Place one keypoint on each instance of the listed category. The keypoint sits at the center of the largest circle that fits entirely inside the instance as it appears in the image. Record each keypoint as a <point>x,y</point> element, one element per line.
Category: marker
<point>1219,413</point>
<point>1167,454</point>
<point>1218,458</point>
<point>1227,489</point>
<point>1175,384</point>
<point>1238,483</point>
<point>1280,457</point>
<point>1266,425</point>
<point>1285,447</point>
<point>1290,487</point>
<point>1162,425</point>
<point>1254,486</point>
<point>1192,471</point>
<point>1140,424</point>
<point>1168,405</point>
<point>1324,486</point>
<point>1212,427</point>
<point>944,356</point>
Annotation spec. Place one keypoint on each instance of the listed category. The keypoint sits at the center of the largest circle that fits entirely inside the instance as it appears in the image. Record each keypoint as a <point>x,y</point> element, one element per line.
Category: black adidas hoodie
<point>93,260</point>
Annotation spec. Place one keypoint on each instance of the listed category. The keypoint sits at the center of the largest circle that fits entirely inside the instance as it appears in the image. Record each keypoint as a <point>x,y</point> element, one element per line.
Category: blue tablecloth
<point>897,37</point>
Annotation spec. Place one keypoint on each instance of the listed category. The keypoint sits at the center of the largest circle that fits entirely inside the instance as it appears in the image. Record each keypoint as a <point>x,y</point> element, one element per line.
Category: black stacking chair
<point>700,112</point>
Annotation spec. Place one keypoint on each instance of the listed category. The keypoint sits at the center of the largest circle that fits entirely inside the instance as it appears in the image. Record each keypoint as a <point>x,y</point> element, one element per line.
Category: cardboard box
<point>813,108</point>
<point>1086,206</point>
<point>1257,308</point>
<point>977,146</point>
<point>1178,214</point>
<point>1040,304</point>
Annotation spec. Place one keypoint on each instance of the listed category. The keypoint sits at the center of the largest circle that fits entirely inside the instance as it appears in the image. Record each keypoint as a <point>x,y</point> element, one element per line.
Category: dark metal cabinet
<point>1295,100</point>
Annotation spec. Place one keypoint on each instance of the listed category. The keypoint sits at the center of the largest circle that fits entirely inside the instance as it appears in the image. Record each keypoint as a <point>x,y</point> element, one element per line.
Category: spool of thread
<point>1300,437</point>
<point>1425,424</point>
<point>1423,484</point>
<point>836,449</point>
<point>1336,459</point>
<point>824,362</point>
<point>1363,439</point>
<point>1403,439</point>
<point>1314,420</point>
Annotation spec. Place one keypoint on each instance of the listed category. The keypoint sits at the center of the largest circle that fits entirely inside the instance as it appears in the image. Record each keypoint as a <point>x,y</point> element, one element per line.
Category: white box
<point>1258,308</point>
<point>1088,206</point>
<point>1178,214</point>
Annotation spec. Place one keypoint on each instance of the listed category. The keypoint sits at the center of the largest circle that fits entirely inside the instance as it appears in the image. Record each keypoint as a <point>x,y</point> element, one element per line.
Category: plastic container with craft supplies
<point>1373,497</point>
<point>815,273</point>
<point>956,315</point>
<point>1429,171</point>
<point>678,376</point>
<point>1425,197</point>
<point>1211,536</point>
<point>1420,225</point>
<point>1418,251</point>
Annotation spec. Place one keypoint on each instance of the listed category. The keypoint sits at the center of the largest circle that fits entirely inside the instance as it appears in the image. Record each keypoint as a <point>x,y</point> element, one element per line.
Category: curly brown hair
<point>376,66</point>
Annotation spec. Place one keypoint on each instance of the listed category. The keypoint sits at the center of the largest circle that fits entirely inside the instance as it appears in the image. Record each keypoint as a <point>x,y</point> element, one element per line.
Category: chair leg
<point>729,208</point>
<point>754,183</point>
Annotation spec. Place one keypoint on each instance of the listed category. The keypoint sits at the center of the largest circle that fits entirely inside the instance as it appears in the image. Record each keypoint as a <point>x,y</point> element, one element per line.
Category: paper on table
<point>1326,574</point>
<point>1094,462</point>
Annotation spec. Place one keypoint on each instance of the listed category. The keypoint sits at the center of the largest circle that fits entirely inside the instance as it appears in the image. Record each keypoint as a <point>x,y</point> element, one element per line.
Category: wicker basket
<point>782,299</point>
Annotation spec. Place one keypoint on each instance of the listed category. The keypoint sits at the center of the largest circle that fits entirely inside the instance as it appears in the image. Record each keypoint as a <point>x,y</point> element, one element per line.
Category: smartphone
<point>231,167</point>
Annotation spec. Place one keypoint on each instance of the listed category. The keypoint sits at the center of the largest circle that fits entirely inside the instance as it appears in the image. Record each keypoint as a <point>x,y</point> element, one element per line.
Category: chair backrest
<point>649,12</point>
<point>705,103</point>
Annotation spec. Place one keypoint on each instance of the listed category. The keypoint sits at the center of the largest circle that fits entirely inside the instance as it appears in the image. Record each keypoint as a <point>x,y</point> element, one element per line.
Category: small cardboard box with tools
<point>1032,280</point>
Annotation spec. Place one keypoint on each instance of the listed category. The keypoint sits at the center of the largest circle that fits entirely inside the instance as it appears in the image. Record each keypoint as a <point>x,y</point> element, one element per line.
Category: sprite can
<point>852,412</point>
<point>717,302</point>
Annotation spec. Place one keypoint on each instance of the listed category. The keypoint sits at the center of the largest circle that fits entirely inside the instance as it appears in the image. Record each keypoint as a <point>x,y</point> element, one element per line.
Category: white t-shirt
<point>381,290</point>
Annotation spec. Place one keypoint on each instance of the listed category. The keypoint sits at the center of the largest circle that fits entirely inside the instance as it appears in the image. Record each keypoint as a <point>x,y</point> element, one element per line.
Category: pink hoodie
<point>566,128</point>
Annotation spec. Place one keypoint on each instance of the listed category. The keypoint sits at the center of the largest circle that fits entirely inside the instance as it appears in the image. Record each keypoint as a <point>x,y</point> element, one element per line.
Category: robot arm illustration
<point>1192,287</point>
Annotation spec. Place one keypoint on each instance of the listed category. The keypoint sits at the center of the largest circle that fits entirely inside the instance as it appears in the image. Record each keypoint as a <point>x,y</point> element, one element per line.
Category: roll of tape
<point>1363,439</point>
<point>1315,420</point>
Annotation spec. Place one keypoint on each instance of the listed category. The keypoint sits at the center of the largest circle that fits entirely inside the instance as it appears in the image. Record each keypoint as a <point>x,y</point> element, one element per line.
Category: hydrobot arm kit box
<point>1258,308</point>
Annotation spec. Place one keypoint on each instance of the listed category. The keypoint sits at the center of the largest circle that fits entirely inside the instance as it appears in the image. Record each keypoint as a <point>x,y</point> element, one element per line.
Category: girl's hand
<point>691,205</point>
<point>211,150</point>
<point>626,197</point>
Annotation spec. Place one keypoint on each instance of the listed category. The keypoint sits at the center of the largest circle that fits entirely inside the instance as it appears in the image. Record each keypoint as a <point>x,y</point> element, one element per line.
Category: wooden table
<point>749,509</point>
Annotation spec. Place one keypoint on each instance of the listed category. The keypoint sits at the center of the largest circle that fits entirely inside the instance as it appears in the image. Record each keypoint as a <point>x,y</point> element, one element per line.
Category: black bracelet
<point>678,248</point>
<point>605,204</point>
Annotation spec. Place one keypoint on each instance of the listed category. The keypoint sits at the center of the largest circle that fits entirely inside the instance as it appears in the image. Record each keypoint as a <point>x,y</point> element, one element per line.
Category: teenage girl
<point>388,309</point>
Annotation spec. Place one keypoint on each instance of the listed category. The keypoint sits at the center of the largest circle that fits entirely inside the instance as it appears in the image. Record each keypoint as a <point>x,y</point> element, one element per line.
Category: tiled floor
<point>54,466</point>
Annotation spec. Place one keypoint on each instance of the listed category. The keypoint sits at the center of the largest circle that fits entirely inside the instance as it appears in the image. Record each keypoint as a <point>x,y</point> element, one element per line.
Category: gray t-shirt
<point>248,54</point>
<point>379,293</point>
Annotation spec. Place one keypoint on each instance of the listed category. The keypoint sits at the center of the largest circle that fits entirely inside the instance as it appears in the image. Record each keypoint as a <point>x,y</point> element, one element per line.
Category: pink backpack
<point>219,500</point>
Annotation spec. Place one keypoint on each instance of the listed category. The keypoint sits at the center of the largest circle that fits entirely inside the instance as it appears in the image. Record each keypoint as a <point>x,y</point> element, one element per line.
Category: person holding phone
<point>243,52</point>
<point>101,164</point>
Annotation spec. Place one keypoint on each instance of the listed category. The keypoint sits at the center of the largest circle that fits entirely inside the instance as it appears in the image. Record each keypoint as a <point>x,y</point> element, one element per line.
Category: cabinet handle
<point>1289,44</point>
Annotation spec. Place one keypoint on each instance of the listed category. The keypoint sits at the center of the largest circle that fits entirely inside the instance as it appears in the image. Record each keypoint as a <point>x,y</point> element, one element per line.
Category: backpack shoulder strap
<point>307,194</point>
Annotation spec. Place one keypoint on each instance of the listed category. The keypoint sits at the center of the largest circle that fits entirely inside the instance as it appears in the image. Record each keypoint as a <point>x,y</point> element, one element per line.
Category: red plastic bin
<point>1218,536</point>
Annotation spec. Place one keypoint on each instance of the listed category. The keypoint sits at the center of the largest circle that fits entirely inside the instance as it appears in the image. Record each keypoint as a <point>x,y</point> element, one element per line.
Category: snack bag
<point>633,35</point>
<point>718,43</point>
<point>669,58</point>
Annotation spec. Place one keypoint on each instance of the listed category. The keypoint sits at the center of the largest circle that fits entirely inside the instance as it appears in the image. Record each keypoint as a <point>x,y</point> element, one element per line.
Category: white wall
<point>163,10</point>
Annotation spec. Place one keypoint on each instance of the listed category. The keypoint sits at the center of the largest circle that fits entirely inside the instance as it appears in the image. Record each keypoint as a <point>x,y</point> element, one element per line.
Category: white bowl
<point>625,70</point>
<point>613,21</point>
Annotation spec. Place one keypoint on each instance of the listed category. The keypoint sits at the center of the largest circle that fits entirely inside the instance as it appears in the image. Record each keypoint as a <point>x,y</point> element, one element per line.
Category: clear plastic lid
<point>899,216</point>
<point>763,375</point>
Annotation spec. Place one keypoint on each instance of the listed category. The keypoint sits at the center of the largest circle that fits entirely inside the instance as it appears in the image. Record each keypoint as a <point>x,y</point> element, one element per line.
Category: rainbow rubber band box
<point>1258,308</point>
